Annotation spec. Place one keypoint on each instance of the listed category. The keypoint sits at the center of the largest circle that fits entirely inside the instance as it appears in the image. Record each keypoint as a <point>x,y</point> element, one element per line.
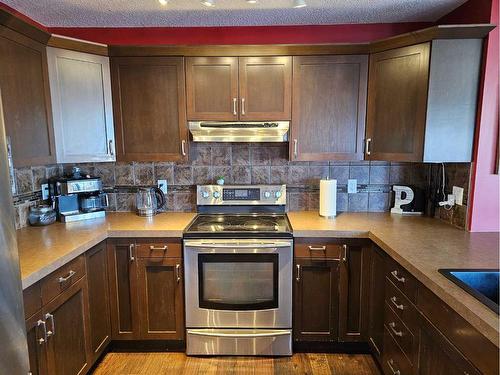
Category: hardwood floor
<point>179,363</point>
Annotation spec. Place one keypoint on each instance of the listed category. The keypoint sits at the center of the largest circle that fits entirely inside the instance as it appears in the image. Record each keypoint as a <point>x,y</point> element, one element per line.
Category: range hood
<point>212,131</point>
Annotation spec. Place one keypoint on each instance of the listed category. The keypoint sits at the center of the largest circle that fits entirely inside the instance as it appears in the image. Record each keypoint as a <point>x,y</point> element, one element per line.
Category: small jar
<point>42,215</point>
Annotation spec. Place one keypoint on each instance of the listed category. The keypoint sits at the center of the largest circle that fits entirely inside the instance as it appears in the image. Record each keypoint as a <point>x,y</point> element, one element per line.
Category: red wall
<point>240,35</point>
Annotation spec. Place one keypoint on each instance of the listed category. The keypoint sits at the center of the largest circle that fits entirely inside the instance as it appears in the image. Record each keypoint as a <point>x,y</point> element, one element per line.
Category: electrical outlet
<point>352,186</point>
<point>162,185</point>
<point>45,191</point>
<point>458,193</point>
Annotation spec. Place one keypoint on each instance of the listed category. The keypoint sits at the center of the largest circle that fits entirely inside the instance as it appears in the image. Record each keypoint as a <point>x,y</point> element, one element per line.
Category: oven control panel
<point>211,195</point>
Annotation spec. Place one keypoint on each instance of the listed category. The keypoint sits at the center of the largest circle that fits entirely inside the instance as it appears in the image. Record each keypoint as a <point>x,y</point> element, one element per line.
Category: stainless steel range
<point>238,272</point>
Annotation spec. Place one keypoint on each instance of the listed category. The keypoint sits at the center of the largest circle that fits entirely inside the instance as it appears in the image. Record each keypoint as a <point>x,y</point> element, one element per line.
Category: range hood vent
<point>212,131</point>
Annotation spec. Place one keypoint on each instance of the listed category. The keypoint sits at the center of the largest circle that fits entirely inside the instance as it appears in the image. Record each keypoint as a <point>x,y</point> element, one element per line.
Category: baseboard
<point>331,347</point>
<point>147,346</point>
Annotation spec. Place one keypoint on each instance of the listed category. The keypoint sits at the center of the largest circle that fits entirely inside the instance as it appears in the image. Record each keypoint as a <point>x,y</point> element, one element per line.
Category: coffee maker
<point>78,197</point>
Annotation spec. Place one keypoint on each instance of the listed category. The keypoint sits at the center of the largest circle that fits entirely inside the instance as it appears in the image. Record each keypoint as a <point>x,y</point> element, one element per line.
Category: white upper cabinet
<point>80,87</point>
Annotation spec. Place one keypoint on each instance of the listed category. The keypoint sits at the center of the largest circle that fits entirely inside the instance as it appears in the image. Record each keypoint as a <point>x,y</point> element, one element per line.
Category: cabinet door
<point>97,277</point>
<point>123,289</point>
<point>376,301</point>
<point>212,88</point>
<point>37,344</point>
<point>26,99</point>
<point>397,102</point>
<point>353,309</point>
<point>329,104</point>
<point>149,107</point>
<point>438,356</point>
<point>265,88</point>
<point>160,290</point>
<point>68,350</point>
<point>80,86</point>
<point>315,300</point>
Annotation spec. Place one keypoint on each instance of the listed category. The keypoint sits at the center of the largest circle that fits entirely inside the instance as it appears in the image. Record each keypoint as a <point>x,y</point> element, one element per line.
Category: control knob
<point>205,194</point>
<point>216,195</point>
<point>277,194</point>
<point>267,194</point>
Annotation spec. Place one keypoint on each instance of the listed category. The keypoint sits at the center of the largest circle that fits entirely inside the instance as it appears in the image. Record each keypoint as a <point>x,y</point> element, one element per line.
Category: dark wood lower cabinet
<point>316,300</point>
<point>66,317</point>
<point>376,297</point>
<point>99,312</point>
<point>161,302</point>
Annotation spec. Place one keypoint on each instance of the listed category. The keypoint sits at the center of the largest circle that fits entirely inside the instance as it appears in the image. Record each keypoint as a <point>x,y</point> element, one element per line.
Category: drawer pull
<point>317,248</point>
<point>131,256</point>
<point>390,363</point>
<point>392,326</point>
<point>64,279</point>
<point>178,272</point>
<point>298,273</point>
<point>159,248</point>
<point>394,301</point>
<point>42,340</point>
<point>395,274</point>
<point>51,332</point>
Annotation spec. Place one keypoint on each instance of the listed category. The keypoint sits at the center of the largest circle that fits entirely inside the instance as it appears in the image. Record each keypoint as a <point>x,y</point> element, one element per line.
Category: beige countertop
<point>421,245</point>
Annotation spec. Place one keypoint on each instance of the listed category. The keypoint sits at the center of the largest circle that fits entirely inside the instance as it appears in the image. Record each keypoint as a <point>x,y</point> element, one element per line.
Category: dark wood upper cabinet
<point>354,293</point>
<point>160,290</point>
<point>397,103</point>
<point>265,88</point>
<point>26,99</point>
<point>149,108</point>
<point>316,294</point>
<point>122,266</point>
<point>68,349</point>
<point>376,298</point>
<point>329,105</point>
<point>99,311</point>
<point>212,88</point>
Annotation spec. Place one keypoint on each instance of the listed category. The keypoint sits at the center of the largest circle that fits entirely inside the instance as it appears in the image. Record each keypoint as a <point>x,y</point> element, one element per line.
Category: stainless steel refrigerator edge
<point>14,349</point>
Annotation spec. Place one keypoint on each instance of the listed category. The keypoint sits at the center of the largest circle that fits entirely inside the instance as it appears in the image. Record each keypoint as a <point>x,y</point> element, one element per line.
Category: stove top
<point>239,225</point>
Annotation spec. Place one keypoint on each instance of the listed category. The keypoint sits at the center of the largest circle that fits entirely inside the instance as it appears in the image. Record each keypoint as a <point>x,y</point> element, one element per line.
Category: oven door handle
<point>236,245</point>
<point>239,334</point>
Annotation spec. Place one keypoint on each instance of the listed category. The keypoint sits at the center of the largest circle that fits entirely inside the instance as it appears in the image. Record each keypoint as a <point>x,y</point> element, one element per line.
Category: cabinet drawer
<point>402,279</point>
<point>400,305</point>
<point>158,249</point>
<point>400,333</point>
<point>62,279</point>
<point>394,361</point>
<point>32,299</point>
<point>318,250</point>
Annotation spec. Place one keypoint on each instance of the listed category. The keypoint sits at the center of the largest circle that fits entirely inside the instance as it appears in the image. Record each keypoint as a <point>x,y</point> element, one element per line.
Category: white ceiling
<point>115,13</point>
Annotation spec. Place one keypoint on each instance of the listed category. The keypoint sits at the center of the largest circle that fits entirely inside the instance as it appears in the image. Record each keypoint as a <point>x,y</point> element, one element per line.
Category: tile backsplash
<point>238,163</point>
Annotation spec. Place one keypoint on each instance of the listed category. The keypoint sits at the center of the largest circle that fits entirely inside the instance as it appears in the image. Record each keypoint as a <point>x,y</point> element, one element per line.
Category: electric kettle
<point>149,201</point>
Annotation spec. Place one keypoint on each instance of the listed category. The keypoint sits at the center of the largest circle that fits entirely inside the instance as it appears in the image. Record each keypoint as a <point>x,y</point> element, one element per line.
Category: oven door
<point>238,283</point>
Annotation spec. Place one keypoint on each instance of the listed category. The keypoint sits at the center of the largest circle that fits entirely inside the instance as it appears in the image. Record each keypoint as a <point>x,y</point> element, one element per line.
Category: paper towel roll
<point>328,197</point>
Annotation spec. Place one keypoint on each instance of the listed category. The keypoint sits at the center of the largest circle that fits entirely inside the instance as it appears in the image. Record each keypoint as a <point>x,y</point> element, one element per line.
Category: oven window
<point>238,281</point>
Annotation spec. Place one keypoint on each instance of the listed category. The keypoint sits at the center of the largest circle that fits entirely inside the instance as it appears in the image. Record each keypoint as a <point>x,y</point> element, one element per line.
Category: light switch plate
<point>352,186</point>
<point>45,191</point>
<point>458,192</point>
<point>162,185</point>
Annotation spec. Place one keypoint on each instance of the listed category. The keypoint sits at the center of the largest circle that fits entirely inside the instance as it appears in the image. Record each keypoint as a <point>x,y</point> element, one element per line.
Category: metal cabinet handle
<point>344,258</point>
<point>43,339</point>
<point>131,252</point>
<point>235,104</point>
<point>298,273</point>
<point>395,275</point>
<point>178,272</point>
<point>295,147</point>
<point>367,146</point>
<point>110,147</point>
<point>159,248</point>
<point>395,303</point>
<point>390,362</point>
<point>243,106</point>
<point>64,279</point>
<point>317,248</point>
<point>183,147</point>
<point>51,332</point>
<point>392,326</point>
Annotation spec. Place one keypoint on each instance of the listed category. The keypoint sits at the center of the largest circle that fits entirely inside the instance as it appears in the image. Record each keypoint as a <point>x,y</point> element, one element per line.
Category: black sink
<point>480,283</point>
